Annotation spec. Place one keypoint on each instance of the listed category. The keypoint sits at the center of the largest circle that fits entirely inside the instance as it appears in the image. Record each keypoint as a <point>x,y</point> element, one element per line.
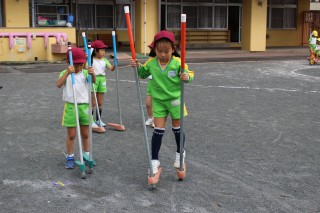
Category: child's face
<point>164,51</point>
<point>78,67</point>
<point>101,53</point>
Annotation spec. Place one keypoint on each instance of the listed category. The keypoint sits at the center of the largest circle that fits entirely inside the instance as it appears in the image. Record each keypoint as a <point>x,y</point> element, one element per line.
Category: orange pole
<point>133,52</point>
<point>183,40</point>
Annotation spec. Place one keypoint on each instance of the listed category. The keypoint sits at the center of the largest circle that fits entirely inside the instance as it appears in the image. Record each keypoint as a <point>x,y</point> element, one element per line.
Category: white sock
<point>88,153</point>
<point>70,155</point>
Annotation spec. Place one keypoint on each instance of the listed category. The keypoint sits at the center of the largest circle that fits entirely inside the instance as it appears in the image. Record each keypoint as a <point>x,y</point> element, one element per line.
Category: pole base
<point>182,174</point>
<point>99,130</point>
<point>117,127</point>
<point>155,179</point>
<point>89,162</point>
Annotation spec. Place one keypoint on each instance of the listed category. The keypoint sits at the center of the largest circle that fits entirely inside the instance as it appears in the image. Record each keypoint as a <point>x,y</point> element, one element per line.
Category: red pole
<point>183,40</point>
<point>127,12</point>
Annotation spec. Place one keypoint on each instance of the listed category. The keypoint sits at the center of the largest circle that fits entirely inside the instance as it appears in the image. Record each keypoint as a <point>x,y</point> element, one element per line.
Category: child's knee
<point>71,137</point>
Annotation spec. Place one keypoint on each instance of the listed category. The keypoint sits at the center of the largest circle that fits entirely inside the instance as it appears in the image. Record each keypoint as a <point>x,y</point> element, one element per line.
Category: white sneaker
<point>176,163</point>
<point>155,166</point>
<point>102,124</point>
<point>94,125</point>
<point>150,122</point>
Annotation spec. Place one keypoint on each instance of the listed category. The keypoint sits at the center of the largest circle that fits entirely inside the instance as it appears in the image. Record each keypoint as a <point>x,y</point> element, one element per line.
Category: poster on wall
<point>21,44</point>
<point>20,41</point>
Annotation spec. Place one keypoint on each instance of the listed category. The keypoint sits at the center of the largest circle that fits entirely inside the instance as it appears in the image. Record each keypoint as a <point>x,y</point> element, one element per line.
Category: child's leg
<point>176,131</point>
<point>85,137</point>
<point>157,137</point>
<point>149,106</point>
<point>70,139</point>
<point>100,101</point>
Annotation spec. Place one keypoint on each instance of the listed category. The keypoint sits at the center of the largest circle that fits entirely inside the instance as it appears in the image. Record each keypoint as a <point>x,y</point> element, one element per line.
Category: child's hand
<point>184,77</point>
<point>134,63</point>
<point>90,70</point>
<point>70,69</point>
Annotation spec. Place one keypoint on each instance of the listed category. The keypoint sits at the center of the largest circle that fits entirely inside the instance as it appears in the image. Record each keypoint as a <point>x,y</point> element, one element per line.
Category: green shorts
<point>69,115</point>
<point>313,46</point>
<point>162,109</point>
<point>101,84</point>
<point>149,89</point>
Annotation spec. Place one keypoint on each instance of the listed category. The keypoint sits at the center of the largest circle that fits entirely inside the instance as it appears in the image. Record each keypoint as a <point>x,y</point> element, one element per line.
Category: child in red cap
<point>100,63</point>
<point>165,91</point>
<point>69,117</point>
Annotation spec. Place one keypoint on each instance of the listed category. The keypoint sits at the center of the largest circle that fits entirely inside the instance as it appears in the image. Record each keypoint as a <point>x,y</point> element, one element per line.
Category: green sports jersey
<point>166,83</point>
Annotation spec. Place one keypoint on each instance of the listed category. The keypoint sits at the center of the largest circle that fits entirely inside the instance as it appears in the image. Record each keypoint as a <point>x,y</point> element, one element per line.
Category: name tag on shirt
<point>172,74</point>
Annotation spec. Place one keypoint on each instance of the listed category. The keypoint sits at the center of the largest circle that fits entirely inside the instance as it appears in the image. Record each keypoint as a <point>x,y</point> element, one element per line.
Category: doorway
<point>234,23</point>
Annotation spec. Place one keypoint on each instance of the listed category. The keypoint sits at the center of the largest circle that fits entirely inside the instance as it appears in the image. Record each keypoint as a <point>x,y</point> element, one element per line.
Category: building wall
<point>16,13</point>
<point>37,51</point>
<point>254,23</point>
<point>152,15</point>
<point>289,37</point>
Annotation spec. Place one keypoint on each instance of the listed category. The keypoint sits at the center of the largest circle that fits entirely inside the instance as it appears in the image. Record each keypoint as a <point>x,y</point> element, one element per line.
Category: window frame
<point>197,4</point>
<point>95,4</point>
<point>282,6</point>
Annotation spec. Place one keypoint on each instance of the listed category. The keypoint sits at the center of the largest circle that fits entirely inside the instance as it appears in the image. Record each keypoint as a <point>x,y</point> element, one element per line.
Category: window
<point>173,16</point>
<point>205,17</point>
<point>201,14</point>
<point>191,12</point>
<point>282,14</point>
<point>86,19</point>
<point>220,17</point>
<point>121,17</point>
<point>103,15</point>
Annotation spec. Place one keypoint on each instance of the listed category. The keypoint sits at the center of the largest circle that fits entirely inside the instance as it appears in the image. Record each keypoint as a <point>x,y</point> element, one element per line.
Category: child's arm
<point>62,80</point>
<point>187,75</point>
<point>91,71</point>
<point>143,71</point>
<point>111,67</point>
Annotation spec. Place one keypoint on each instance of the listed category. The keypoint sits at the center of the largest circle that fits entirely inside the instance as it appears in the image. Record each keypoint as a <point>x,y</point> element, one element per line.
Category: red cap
<point>151,45</point>
<point>162,34</point>
<point>78,56</point>
<point>98,44</point>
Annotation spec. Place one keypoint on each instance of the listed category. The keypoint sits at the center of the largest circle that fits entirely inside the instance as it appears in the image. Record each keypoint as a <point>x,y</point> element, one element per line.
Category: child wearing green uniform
<point>165,91</point>
<point>100,63</point>
<point>317,51</point>
<point>313,42</point>
<point>81,87</point>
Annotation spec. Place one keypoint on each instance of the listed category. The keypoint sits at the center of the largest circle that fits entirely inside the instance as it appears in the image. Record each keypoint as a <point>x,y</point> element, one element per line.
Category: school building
<point>37,30</point>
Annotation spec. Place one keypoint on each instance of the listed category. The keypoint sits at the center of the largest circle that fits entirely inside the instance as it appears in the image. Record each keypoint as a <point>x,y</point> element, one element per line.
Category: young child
<point>100,63</point>
<point>313,43</point>
<point>69,117</point>
<point>150,121</point>
<point>165,91</point>
<point>317,51</point>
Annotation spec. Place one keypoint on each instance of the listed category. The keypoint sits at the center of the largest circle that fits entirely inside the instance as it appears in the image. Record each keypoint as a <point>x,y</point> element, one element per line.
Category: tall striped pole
<point>133,53</point>
<point>183,60</point>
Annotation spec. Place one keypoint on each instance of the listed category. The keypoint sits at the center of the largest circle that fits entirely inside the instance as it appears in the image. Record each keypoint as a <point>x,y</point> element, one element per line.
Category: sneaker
<point>69,162</point>
<point>150,122</point>
<point>176,163</point>
<point>94,125</point>
<point>155,166</point>
<point>102,124</point>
